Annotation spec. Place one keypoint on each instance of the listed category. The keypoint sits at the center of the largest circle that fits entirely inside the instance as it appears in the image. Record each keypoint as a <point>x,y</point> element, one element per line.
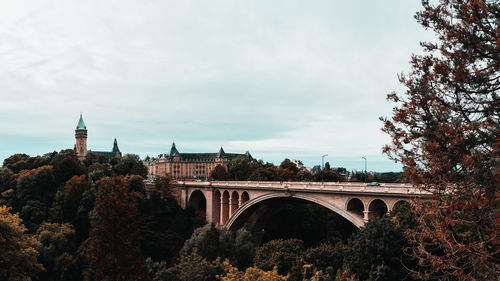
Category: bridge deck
<point>387,189</point>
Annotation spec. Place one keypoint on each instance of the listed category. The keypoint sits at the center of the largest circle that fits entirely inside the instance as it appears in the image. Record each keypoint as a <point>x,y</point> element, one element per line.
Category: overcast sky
<point>295,79</point>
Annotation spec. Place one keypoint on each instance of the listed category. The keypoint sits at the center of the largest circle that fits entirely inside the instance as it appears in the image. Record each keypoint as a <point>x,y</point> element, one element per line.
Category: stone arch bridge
<point>234,204</point>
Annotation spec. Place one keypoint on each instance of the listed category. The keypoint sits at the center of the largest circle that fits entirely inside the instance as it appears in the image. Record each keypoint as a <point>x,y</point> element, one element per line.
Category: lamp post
<point>364,176</point>
<point>322,167</point>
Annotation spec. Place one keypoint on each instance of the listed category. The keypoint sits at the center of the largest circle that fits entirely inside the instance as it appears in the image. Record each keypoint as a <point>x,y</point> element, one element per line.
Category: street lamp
<point>364,176</point>
<point>322,167</point>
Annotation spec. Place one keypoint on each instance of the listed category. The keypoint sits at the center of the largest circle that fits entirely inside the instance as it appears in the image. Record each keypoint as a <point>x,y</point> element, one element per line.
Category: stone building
<point>189,166</point>
<point>81,144</point>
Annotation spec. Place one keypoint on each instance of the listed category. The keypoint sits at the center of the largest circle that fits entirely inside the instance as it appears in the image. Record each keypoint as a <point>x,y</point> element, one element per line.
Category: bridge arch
<point>377,208</point>
<point>244,197</point>
<point>358,222</point>
<point>225,207</point>
<point>235,198</point>
<point>216,206</point>
<point>198,203</point>
<point>399,203</point>
<point>355,206</point>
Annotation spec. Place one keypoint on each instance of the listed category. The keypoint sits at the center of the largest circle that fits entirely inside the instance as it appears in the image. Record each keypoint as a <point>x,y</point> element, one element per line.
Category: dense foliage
<point>85,218</point>
<point>446,131</point>
<point>241,169</point>
<point>95,223</point>
<point>18,255</point>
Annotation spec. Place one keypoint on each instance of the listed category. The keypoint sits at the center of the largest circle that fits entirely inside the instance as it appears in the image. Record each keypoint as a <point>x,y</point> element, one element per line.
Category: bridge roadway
<point>235,203</point>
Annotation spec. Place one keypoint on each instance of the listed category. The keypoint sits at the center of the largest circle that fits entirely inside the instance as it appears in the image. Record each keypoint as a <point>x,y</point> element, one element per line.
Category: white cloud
<point>276,78</point>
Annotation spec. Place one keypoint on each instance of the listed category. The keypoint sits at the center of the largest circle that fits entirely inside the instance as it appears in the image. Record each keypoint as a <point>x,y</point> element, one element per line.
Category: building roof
<point>173,150</point>
<point>206,156</point>
<point>81,124</point>
<point>115,147</point>
<point>221,153</point>
<point>108,154</point>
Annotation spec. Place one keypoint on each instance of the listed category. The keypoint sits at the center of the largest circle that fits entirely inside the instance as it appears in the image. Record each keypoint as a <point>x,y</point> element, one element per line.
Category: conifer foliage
<point>445,130</point>
<point>114,243</point>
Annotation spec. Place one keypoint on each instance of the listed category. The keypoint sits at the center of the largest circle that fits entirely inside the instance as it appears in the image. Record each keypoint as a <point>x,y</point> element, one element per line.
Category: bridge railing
<point>393,188</point>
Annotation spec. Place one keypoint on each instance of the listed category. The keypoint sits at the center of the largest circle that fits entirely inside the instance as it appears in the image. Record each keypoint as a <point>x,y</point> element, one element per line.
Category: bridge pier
<point>224,209</point>
<point>366,216</point>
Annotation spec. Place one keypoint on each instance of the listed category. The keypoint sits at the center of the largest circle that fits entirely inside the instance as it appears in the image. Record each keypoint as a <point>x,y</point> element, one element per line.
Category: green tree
<point>72,195</point>
<point>239,169</point>
<point>35,190</point>
<point>219,173</point>
<point>114,243</point>
<point>304,175</point>
<point>18,255</point>
<point>287,170</point>
<point>211,242</point>
<point>327,166</point>
<point>325,258</point>
<point>130,164</point>
<point>37,184</point>
<point>34,213</point>
<point>66,168</point>
<point>376,250</point>
<point>97,171</point>
<point>16,162</point>
<point>329,176</point>
<point>163,226</point>
<point>7,179</point>
<point>205,242</point>
<point>56,251</point>
<point>285,254</point>
<point>263,173</point>
<point>190,268</point>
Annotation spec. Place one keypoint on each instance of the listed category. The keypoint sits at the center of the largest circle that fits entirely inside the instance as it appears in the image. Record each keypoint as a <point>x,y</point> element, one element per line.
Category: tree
<point>445,130</point>
<point>251,273</point>
<point>376,250</point>
<point>212,242</point>
<point>36,184</point>
<point>264,174</point>
<point>327,166</point>
<point>287,170</point>
<point>66,168</point>
<point>18,255</point>
<point>34,193</point>
<point>72,194</point>
<point>191,267</point>
<point>163,226</point>
<point>304,175</point>
<point>329,175</point>
<point>16,162</point>
<point>219,173</point>
<point>285,254</point>
<point>56,251</point>
<point>130,164</point>
<point>114,242</point>
<point>324,258</point>
<point>6,179</point>
<point>239,169</point>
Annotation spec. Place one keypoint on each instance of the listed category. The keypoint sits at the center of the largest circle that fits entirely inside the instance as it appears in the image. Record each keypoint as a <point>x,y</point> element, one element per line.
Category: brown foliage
<point>18,254</point>
<point>114,244</point>
<point>445,131</point>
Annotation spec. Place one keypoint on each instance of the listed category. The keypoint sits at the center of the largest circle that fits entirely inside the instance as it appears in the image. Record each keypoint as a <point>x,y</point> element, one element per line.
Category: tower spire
<point>81,124</point>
